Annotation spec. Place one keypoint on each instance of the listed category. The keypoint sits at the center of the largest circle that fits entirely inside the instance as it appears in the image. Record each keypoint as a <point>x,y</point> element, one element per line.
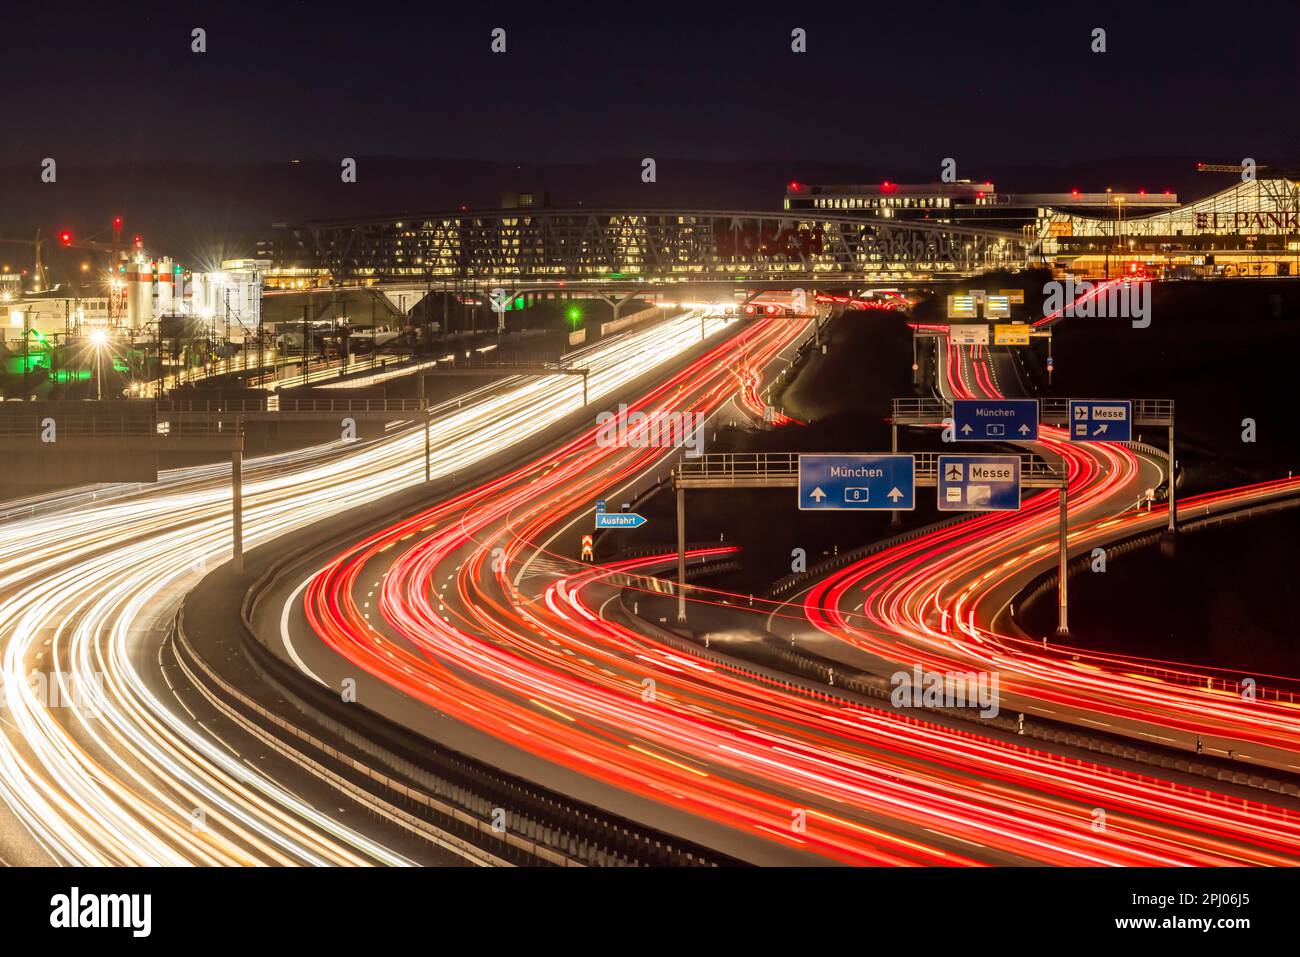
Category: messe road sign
<point>979,483</point>
<point>606,519</point>
<point>995,420</point>
<point>853,482</point>
<point>1010,334</point>
<point>1101,420</point>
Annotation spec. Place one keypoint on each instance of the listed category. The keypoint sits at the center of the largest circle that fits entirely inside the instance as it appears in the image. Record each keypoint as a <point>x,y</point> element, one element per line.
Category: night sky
<point>906,83</point>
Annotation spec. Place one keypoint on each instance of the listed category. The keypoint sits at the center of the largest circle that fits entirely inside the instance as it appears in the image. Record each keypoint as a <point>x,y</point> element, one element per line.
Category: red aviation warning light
<point>65,238</point>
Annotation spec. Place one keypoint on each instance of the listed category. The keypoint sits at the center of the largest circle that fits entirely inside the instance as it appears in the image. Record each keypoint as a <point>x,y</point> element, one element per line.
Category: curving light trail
<point>534,660</point>
<point>116,772</point>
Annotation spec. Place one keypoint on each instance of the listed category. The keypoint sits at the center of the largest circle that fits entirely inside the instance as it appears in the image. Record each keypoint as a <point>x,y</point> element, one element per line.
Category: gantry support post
<point>1173,482</point>
<point>895,517</point>
<point>237,504</point>
<point>1062,588</point>
<point>681,555</point>
<point>428,449</point>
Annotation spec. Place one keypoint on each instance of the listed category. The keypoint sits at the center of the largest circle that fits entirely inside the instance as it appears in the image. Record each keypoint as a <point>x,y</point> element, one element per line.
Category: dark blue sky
<point>901,83</point>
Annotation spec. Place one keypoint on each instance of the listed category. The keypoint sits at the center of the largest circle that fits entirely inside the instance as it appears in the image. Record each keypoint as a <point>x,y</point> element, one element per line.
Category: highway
<point>128,774</point>
<point>476,614</point>
<point>943,600</point>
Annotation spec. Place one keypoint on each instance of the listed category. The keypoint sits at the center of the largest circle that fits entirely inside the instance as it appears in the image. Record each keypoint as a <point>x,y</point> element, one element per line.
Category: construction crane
<point>68,241</point>
<point>1290,172</point>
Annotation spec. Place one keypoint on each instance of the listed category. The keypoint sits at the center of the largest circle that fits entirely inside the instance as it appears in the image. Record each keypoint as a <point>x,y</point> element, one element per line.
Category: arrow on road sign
<point>894,494</point>
<point>1101,429</point>
<point>817,494</point>
<point>619,520</point>
<point>966,429</point>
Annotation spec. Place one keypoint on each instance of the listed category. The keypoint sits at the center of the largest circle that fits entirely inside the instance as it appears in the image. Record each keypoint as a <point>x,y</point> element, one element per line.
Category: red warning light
<point>65,238</point>
<point>117,222</point>
<point>1074,192</point>
<point>888,187</point>
<point>795,186</point>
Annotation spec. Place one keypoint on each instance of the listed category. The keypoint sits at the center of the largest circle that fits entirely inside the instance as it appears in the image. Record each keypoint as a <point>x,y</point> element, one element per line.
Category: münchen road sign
<point>857,482</point>
<point>995,420</point>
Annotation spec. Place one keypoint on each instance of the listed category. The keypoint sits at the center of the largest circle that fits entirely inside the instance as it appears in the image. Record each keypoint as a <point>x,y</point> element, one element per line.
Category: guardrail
<point>349,405</point>
<point>1155,412</point>
<point>544,824</point>
<point>81,425</point>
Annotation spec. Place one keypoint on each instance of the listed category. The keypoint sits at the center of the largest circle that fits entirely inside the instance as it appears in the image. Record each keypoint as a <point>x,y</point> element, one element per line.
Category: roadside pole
<point>1062,589</point>
<point>1173,466</point>
<point>237,499</point>
<point>681,555</point>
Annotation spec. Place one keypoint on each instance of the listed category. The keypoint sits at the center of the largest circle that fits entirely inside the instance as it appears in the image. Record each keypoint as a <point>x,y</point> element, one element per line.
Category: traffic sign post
<point>1063,565</point>
<point>979,483</point>
<point>857,482</point>
<point>500,302</point>
<point>995,420</point>
<point>606,519</point>
<point>1099,420</point>
<point>588,550</point>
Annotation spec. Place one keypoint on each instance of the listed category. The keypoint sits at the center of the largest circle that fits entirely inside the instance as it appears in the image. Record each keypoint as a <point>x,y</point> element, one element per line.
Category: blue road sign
<point>1101,420</point>
<point>606,519</point>
<point>868,482</point>
<point>979,483</point>
<point>995,420</point>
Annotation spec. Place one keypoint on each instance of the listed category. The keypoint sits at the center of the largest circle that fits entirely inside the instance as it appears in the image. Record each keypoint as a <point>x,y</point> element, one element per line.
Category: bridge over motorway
<point>623,251</point>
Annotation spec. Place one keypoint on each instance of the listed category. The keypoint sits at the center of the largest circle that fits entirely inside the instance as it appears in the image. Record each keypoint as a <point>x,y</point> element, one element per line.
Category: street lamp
<point>99,339</point>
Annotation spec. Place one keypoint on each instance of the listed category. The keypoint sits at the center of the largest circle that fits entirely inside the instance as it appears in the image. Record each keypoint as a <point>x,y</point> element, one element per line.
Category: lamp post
<point>99,338</point>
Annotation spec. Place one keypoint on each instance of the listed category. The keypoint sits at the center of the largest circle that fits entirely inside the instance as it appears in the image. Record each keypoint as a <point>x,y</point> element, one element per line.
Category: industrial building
<point>1251,228</point>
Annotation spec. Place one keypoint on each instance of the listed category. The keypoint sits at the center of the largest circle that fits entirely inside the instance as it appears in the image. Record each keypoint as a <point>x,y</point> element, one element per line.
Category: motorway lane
<point>941,602</point>
<point>115,778</point>
<point>535,666</point>
<point>564,473</point>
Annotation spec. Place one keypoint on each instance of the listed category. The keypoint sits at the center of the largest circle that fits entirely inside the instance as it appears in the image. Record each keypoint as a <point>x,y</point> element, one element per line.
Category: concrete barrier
<point>627,322</point>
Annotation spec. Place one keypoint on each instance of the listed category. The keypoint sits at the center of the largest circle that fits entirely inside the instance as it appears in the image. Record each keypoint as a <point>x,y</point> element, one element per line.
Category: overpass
<point>623,250</point>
